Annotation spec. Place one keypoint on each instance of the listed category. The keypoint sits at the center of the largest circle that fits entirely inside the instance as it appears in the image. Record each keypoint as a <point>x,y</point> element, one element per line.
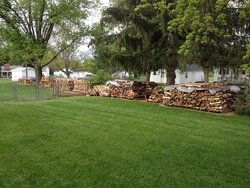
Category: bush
<point>242,105</point>
<point>101,77</point>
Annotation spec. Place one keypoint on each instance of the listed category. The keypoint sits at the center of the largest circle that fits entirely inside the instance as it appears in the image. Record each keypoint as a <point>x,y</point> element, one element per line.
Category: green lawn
<point>104,142</point>
<point>22,92</point>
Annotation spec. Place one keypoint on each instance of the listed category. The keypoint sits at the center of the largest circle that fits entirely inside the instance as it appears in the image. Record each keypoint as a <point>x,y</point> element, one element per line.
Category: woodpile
<point>157,95</point>
<point>102,90</point>
<point>47,82</point>
<point>130,90</point>
<point>66,84</point>
<point>204,100</point>
<point>92,92</point>
<point>81,86</point>
<point>150,86</point>
<point>25,81</point>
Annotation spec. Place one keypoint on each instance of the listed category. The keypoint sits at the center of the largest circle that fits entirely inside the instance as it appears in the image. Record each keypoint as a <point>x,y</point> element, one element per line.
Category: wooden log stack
<point>66,84</point>
<point>81,86</point>
<point>157,95</point>
<point>130,90</point>
<point>101,90</point>
<point>47,82</point>
<point>25,81</point>
<point>219,102</point>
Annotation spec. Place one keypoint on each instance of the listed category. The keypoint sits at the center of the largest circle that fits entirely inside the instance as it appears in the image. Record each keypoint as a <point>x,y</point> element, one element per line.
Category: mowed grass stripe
<point>101,142</point>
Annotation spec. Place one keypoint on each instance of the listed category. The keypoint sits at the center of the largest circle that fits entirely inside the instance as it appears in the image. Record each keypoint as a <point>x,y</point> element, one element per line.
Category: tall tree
<point>31,25</point>
<point>139,41</point>
<point>215,34</point>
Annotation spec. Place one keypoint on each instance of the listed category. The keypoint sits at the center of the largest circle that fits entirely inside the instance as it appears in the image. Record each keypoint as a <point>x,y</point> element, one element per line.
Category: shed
<point>193,73</point>
<point>20,72</point>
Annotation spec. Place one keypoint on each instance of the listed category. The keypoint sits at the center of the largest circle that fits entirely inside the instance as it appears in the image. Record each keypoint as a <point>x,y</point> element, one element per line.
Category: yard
<point>22,92</point>
<point>104,142</point>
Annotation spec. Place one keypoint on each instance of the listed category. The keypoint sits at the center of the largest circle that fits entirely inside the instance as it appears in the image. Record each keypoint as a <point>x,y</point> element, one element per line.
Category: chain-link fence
<point>12,91</point>
<point>15,92</point>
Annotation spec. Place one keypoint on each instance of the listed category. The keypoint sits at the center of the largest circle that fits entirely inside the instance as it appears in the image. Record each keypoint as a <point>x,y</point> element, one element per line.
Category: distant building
<point>229,75</point>
<point>45,72</point>
<point>192,74</point>
<point>75,74</point>
<point>6,71</point>
<point>121,75</point>
<point>20,72</point>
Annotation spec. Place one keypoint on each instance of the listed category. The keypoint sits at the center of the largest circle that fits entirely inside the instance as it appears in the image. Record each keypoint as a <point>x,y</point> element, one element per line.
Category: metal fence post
<point>37,90</point>
<point>14,92</point>
<point>58,89</point>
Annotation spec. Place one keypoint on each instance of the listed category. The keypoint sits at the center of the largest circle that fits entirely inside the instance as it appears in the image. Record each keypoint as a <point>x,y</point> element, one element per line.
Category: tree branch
<point>61,50</point>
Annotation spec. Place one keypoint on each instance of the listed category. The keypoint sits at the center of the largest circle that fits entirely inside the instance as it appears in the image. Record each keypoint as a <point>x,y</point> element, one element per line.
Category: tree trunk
<point>148,75</point>
<point>26,71</point>
<point>39,73</point>
<point>67,74</point>
<point>172,63</point>
<point>171,74</point>
<point>206,74</point>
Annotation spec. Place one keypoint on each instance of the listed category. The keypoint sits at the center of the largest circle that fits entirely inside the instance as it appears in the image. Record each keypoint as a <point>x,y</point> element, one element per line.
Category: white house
<point>229,75</point>
<point>20,72</point>
<point>76,74</point>
<point>6,71</point>
<point>192,74</point>
<point>121,75</point>
<point>45,71</point>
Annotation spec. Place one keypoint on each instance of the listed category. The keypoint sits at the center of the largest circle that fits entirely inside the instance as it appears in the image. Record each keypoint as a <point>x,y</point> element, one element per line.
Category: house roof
<point>21,69</point>
<point>194,67</point>
<point>9,68</point>
<point>77,70</point>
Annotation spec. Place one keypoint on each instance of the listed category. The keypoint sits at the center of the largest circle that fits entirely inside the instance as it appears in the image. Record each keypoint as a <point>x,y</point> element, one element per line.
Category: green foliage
<point>242,105</point>
<point>246,66</point>
<point>100,78</point>
<point>90,65</point>
<point>215,33</point>
<point>28,27</point>
<point>139,44</point>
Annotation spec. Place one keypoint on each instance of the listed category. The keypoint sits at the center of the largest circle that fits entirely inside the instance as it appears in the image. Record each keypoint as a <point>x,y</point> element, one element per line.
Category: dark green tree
<point>139,40</point>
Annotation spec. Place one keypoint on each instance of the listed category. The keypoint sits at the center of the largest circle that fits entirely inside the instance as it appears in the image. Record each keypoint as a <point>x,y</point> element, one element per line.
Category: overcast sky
<point>96,13</point>
<point>94,18</point>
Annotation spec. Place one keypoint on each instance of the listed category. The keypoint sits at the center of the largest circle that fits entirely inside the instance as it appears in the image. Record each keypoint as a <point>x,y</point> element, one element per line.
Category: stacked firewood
<point>47,82</point>
<point>65,84</point>
<point>102,90</point>
<point>204,100</point>
<point>150,86</point>
<point>25,81</point>
<point>92,92</point>
<point>157,95</point>
<point>130,90</point>
<point>81,86</point>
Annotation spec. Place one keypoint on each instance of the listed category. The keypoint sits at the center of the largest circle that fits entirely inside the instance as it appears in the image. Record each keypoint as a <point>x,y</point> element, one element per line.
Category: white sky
<point>94,18</point>
<point>96,13</point>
